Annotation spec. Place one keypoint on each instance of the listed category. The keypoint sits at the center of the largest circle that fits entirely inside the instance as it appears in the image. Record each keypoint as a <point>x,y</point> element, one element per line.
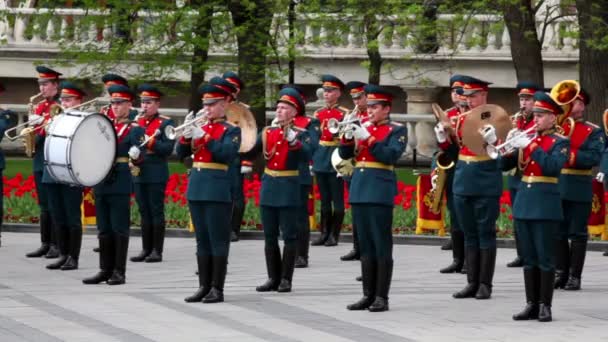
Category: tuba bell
<point>564,93</point>
<point>444,163</point>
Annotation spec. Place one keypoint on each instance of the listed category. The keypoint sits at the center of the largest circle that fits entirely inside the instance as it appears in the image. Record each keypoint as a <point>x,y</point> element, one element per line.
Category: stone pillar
<point>421,134</point>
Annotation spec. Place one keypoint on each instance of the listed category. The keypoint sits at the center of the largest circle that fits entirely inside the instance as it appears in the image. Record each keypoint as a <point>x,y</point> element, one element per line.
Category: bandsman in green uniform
<point>151,173</point>
<point>65,199</point>
<point>285,147</point>
<point>214,143</point>
<point>48,84</point>
<point>522,120</point>
<point>575,185</point>
<point>113,195</point>
<point>537,207</point>
<point>330,186</point>
<point>477,188</point>
<point>111,80</point>
<point>376,149</point>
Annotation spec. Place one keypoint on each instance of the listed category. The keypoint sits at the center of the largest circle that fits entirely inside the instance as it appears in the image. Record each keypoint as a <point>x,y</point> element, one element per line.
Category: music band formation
<point>548,148</point>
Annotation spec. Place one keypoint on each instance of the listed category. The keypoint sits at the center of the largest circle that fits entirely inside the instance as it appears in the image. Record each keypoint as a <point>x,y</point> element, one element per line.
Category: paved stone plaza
<point>41,305</point>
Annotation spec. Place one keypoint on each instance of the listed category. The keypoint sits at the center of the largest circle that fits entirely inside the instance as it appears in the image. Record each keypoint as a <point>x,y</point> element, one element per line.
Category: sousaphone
<point>240,115</point>
<point>477,119</point>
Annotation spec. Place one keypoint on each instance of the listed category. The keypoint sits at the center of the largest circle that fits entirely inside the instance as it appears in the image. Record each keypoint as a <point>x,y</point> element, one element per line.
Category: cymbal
<point>440,114</point>
<point>241,115</point>
<point>476,119</point>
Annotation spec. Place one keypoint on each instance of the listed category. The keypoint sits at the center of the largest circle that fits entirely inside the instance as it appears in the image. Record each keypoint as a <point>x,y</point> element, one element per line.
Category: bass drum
<point>80,148</point>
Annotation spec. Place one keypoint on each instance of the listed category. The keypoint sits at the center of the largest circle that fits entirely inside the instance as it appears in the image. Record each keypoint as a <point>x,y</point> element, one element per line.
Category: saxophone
<point>444,163</point>
<point>28,133</point>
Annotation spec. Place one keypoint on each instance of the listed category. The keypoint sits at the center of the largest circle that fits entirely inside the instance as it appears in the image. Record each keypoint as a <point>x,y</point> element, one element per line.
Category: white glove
<point>488,132</point>
<point>274,122</point>
<point>366,124</point>
<point>434,181</point>
<point>521,142</point>
<point>134,152</point>
<point>291,136</point>
<point>600,177</point>
<point>34,119</point>
<point>188,132</point>
<point>245,169</point>
<point>312,172</point>
<point>440,133</point>
<point>198,132</point>
<point>512,133</point>
<point>361,133</point>
<point>348,131</point>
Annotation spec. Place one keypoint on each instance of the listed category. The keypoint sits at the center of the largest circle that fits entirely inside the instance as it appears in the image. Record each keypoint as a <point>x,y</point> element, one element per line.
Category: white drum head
<point>93,150</point>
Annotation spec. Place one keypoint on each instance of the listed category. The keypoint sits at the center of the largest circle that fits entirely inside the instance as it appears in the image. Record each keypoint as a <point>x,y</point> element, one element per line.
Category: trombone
<point>507,146</point>
<point>174,132</point>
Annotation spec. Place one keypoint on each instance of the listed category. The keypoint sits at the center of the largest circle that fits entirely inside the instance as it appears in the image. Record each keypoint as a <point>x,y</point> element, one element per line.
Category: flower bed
<point>20,204</point>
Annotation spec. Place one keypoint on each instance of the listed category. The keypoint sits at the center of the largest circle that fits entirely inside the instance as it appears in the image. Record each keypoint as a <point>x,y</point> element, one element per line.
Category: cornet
<point>334,126</point>
<point>507,147</point>
<point>174,132</point>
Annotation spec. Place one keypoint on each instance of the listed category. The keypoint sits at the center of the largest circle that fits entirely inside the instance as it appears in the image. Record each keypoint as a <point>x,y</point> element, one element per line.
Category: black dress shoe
<point>214,296</point>
<point>70,264</point>
<point>544,313</point>
<point>359,278</point>
<point>484,292</point>
<point>140,257</point>
<point>57,264</point>
<point>331,241</point>
<point>447,246</point>
<point>469,291</point>
<point>96,249</point>
<point>350,256</point>
<point>605,253</point>
<point>361,304</point>
<point>100,277</point>
<point>301,262</point>
<point>380,304</point>
<point>454,267</point>
<point>198,295</point>
<point>117,278</point>
<point>41,251</point>
<point>154,257</point>
<point>529,312</point>
<point>517,262</point>
<point>269,285</point>
<point>284,286</point>
<point>53,252</point>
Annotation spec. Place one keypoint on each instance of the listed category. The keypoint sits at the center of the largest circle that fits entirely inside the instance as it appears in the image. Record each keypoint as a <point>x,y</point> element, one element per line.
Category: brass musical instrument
<point>239,114</point>
<point>190,120</point>
<point>507,147</point>
<point>564,93</point>
<point>444,163</point>
<point>480,118</point>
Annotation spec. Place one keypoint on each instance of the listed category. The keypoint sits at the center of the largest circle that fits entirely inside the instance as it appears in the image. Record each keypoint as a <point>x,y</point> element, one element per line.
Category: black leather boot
<point>518,261</point>
<point>74,254</point>
<point>325,227</point>
<point>336,227</point>
<point>532,286</point>
<point>354,253</point>
<point>384,275</point>
<point>146,241</point>
<point>562,263</point>
<point>204,278</point>
<point>159,240</point>
<point>44,237</point>
<point>216,294</point>
<point>577,261</point>
<point>62,239</point>
<point>273,268</point>
<point>303,244</point>
<point>368,271</point>
<point>487,263</point>
<point>120,260</point>
<point>546,296</point>
<point>457,253</point>
<point>106,260</point>
<point>289,256</point>
<point>469,291</point>
<point>235,222</point>
<point>53,252</point>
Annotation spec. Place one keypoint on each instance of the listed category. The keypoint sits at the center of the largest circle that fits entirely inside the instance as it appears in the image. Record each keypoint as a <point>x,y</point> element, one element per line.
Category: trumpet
<point>334,126</point>
<point>148,138</point>
<point>174,132</point>
<point>507,146</point>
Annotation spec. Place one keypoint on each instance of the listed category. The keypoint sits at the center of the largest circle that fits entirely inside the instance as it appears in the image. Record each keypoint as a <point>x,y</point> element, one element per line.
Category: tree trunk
<point>592,58</point>
<point>252,20</point>
<point>200,53</point>
<point>372,31</point>
<point>525,46</point>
